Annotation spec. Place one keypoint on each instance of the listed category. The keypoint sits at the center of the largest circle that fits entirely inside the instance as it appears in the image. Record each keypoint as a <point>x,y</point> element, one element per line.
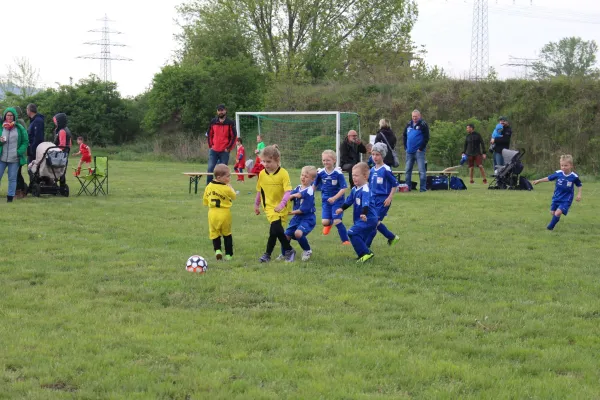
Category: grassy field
<point>478,300</point>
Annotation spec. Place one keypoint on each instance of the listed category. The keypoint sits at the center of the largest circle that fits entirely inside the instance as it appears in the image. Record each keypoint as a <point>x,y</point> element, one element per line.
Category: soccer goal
<point>300,136</point>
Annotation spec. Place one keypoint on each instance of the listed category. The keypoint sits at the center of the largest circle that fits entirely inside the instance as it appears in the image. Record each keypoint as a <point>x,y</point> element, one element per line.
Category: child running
<point>86,156</point>
<point>240,160</point>
<point>303,211</point>
<point>218,196</point>
<point>564,190</point>
<point>383,185</point>
<point>333,186</point>
<point>273,189</point>
<point>364,215</point>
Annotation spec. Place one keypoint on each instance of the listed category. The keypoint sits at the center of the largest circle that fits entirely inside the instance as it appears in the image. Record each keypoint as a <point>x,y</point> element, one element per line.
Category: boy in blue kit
<point>364,216</point>
<point>382,185</point>
<point>303,211</point>
<point>333,186</point>
<point>564,190</point>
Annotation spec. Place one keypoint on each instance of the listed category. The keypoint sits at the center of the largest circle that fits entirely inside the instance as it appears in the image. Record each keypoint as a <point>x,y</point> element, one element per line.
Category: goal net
<point>300,136</point>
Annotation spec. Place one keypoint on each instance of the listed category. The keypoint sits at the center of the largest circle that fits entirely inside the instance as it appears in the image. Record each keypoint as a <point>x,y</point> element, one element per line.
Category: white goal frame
<point>337,122</point>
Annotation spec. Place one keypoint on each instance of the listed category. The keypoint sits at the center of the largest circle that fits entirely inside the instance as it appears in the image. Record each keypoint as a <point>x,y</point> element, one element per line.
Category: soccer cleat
<point>485,181</point>
<point>393,241</point>
<point>228,257</point>
<point>290,255</point>
<point>280,257</point>
<point>326,229</point>
<point>265,258</point>
<point>77,172</point>
<point>306,255</point>
<point>219,255</point>
<point>365,258</point>
<point>346,243</point>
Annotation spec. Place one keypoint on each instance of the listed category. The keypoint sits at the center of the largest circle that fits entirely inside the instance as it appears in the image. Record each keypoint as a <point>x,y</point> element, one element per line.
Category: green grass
<point>478,300</point>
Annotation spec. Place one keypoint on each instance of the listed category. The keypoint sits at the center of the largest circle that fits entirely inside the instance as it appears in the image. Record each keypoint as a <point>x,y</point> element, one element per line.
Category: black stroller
<point>508,176</point>
<point>47,171</point>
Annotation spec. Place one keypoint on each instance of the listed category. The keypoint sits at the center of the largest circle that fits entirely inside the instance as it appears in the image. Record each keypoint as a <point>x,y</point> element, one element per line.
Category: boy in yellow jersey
<point>218,196</point>
<point>273,192</point>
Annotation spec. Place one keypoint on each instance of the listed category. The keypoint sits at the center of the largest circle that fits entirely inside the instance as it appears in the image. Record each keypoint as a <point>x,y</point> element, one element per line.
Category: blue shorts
<point>306,225</point>
<point>363,228</point>
<point>328,210</point>
<point>560,205</point>
<point>380,209</point>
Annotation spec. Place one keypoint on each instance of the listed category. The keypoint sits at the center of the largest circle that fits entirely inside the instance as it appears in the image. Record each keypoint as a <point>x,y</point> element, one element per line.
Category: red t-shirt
<point>84,149</point>
<point>241,152</point>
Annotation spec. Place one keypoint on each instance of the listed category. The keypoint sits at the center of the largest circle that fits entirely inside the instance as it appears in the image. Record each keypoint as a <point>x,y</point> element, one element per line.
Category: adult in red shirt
<point>221,139</point>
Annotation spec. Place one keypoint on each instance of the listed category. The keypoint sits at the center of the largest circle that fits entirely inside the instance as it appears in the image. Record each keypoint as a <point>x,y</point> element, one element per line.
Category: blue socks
<point>303,242</point>
<point>553,222</point>
<point>385,231</point>
<point>343,232</point>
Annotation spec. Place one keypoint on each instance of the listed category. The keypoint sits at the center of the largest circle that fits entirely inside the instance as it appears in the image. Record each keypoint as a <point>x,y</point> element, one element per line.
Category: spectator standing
<point>502,142</point>
<point>221,139</point>
<point>350,151</point>
<point>13,149</point>
<point>386,136</point>
<point>474,150</point>
<point>35,131</point>
<point>416,138</point>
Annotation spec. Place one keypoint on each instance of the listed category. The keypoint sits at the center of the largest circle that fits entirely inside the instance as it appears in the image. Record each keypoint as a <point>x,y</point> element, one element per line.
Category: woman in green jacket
<point>13,149</point>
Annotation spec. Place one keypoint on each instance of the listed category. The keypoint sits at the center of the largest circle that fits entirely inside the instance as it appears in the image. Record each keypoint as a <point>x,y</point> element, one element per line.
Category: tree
<point>22,78</point>
<point>572,57</point>
<point>311,37</point>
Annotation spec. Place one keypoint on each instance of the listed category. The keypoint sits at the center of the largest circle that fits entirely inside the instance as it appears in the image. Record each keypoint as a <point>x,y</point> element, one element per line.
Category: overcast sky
<point>51,35</point>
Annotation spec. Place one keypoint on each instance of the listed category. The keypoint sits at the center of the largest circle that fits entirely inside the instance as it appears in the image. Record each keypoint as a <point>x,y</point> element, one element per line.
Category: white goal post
<point>300,135</point>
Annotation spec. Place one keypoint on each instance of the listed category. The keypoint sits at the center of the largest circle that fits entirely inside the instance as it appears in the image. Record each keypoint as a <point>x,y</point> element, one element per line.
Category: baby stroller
<point>47,171</point>
<point>509,176</point>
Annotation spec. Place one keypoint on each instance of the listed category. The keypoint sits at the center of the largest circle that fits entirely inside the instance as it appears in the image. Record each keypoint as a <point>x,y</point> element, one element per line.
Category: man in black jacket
<point>35,131</point>
<point>502,142</point>
<point>474,150</point>
<point>350,151</point>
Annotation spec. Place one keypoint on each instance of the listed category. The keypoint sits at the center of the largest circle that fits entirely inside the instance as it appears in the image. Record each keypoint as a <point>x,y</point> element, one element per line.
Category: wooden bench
<point>445,172</point>
<point>195,177</point>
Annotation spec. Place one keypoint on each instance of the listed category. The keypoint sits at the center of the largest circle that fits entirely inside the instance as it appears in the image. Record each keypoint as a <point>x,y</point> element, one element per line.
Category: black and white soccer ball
<point>196,264</point>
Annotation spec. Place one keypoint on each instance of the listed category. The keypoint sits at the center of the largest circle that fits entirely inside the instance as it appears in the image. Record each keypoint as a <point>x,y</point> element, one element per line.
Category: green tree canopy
<point>571,56</point>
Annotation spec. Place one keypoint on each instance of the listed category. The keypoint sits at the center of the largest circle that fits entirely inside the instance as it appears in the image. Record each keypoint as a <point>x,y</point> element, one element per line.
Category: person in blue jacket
<point>35,130</point>
<point>416,138</point>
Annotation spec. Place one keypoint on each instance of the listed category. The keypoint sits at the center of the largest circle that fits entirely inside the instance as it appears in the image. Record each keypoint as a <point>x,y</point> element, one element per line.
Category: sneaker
<point>290,255</point>
<point>228,257</point>
<point>326,229</point>
<point>265,258</point>
<point>471,181</point>
<point>485,181</point>
<point>280,257</point>
<point>393,241</point>
<point>219,255</point>
<point>306,255</point>
<point>346,243</point>
<point>365,258</point>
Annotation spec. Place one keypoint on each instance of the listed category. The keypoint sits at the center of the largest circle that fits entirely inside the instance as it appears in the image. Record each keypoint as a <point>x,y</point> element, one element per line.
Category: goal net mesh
<point>301,138</point>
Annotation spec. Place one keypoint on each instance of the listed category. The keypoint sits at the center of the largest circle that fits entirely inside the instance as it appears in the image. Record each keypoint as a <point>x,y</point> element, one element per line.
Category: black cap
<point>502,119</point>
<point>221,107</point>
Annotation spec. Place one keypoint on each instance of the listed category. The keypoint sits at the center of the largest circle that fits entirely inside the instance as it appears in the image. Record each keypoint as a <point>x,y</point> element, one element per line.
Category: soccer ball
<point>196,264</point>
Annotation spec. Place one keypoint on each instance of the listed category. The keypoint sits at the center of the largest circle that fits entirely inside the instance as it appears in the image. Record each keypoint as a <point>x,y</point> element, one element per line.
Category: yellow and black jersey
<point>271,188</point>
<point>218,195</point>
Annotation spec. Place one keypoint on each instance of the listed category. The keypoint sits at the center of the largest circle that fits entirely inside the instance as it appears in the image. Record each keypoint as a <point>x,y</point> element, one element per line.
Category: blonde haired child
<point>218,197</point>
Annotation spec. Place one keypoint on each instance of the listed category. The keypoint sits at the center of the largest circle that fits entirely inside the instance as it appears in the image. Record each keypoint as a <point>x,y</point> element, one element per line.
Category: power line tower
<point>526,63</point>
<point>480,53</point>
<point>105,44</point>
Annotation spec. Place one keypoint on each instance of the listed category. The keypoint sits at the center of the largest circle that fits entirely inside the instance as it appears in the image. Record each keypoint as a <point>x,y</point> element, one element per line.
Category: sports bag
<point>396,160</point>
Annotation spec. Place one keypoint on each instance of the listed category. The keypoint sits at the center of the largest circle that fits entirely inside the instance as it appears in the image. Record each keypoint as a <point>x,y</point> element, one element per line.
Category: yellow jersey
<point>218,195</point>
<point>271,188</point>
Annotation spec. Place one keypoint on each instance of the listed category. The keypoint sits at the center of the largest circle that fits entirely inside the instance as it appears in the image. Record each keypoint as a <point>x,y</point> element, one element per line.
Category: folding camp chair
<point>94,183</point>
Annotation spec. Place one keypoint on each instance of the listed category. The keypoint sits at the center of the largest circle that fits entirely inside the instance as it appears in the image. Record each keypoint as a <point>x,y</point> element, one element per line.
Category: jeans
<point>214,158</point>
<point>12,176</point>
<point>419,156</point>
<point>498,160</point>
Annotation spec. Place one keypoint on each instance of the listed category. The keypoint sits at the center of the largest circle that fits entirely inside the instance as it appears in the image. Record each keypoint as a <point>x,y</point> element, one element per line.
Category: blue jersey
<point>564,190</point>
<point>360,197</point>
<point>382,181</point>
<point>306,203</point>
<point>331,183</point>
